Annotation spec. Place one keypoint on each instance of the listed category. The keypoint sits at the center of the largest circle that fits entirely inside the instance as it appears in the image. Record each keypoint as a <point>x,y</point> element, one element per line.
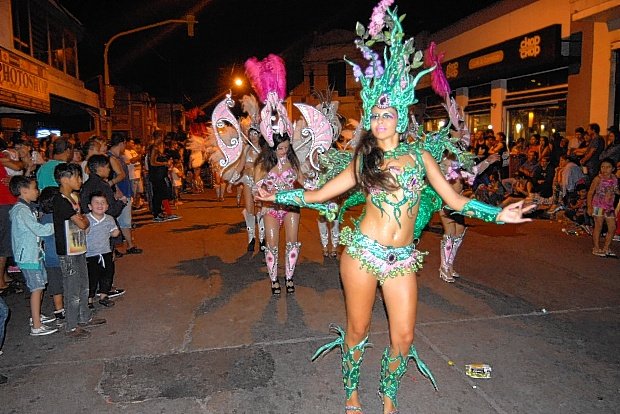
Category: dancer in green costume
<point>394,177</point>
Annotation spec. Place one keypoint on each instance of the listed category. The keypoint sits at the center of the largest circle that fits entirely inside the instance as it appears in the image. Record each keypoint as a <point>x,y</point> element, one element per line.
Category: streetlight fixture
<point>108,91</point>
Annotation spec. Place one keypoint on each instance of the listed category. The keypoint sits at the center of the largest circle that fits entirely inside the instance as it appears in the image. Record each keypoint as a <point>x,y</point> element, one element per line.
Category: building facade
<point>40,86</point>
<point>518,66</point>
<point>533,66</point>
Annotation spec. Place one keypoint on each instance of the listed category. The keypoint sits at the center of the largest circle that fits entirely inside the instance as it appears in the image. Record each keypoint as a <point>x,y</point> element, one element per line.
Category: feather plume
<point>438,78</point>
<point>267,75</point>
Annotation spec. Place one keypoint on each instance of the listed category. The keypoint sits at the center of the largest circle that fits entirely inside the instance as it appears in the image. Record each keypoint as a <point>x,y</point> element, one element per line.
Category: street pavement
<point>198,330</point>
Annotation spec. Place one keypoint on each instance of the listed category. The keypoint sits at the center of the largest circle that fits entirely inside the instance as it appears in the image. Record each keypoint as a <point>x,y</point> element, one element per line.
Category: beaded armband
<point>296,198</point>
<point>482,211</point>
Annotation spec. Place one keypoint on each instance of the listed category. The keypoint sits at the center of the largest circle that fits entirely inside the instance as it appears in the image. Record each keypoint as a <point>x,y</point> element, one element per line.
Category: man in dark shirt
<point>543,178</point>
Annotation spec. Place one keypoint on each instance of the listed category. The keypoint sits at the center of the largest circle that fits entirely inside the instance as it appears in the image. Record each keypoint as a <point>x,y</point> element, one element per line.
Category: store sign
<point>23,83</point>
<point>514,57</point>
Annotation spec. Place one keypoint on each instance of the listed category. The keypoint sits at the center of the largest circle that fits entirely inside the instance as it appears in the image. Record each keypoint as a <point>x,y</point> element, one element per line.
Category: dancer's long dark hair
<point>267,159</point>
<point>368,159</point>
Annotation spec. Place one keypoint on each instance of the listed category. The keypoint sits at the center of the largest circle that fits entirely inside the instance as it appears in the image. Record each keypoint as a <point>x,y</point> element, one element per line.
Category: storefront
<point>518,86</point>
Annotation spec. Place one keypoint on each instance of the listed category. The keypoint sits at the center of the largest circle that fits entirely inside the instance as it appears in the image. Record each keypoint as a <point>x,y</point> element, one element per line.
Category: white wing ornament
<point>316,137</point>
<point>225,125</point>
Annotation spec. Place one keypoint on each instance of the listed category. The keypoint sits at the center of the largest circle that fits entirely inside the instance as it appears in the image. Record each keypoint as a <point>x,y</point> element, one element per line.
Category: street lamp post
<point>190,20</point>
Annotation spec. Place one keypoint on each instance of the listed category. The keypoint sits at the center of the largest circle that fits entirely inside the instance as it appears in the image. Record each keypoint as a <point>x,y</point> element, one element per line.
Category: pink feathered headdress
<point>268,78</point>
<point>438,78</point>
<point>267,75</point>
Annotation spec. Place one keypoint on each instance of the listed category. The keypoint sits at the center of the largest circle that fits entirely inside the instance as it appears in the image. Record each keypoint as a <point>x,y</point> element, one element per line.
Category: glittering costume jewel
<point>335,232</point>
<point>351,359</point>
<point>292,255</point>
<point>456,243</point>
<point>446,251</point>
<point>261,228</point>
<point>324,234</point>
<point>271,258</point>
<point>390,379</point>
<point>250,224</point>
<point>482,211</point>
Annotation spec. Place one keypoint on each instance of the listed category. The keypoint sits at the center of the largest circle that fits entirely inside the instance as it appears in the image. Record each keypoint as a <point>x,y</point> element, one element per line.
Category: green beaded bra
<point>409,178</point>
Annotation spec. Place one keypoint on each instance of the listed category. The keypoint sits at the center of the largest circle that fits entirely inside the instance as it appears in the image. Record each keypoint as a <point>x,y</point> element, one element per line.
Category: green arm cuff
<point>296,198</point>
<point>482,211</point>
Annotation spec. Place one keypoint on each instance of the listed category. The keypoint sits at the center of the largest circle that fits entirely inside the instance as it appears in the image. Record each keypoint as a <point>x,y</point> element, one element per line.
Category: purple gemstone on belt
<point>391,258</point>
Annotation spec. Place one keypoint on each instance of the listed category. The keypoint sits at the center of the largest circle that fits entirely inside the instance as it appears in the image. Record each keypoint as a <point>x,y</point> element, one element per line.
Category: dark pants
<point>160,190</point>
<point>4,315</point>
<point>100,273</point>
<point>75,287</point>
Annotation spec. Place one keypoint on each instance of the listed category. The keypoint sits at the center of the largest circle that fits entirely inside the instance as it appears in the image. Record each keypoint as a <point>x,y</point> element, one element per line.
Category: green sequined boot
<point>390,380</point>
<point>350,365</point>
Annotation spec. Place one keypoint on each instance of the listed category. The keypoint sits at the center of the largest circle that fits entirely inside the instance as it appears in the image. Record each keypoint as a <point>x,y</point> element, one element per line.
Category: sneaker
<point>133,250</point>
<point>60,317</point>
<point>13,269</point>
<point>92,322</point>
<point>609,253</point>
<point>78,333</point>
<point>106,302</point>
<point>159,219</point>
<point>598,253</point>
<point>45,319</point>
<point>172,217</point>
<point>43,330</point>
<point>116,292</point>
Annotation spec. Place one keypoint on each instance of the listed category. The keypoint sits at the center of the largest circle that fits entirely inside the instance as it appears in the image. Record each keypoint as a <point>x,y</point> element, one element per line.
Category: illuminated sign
<point>529,47</point>
<point>486,60</point>
<point>518,56</point>
<point>23,83</point>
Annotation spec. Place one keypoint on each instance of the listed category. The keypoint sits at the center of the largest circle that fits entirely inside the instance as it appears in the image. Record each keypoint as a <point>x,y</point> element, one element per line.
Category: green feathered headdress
<point>387,83</point>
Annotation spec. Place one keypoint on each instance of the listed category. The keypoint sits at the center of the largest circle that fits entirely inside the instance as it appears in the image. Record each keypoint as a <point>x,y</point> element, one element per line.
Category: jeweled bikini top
<point>282,179</point>
<point>409,178</point>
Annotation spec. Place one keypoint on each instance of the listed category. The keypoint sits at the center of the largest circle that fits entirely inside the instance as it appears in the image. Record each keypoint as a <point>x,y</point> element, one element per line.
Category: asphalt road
<point>198,330</point>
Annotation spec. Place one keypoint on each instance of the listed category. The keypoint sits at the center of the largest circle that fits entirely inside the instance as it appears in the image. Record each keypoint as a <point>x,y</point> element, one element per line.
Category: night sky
<point>170,65</point>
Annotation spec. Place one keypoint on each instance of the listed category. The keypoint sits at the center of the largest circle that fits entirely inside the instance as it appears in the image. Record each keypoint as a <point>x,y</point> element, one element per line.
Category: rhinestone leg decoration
<point>335,232</point>
<point>446,251</point>
<point>456,243</point>
<point>324,234</point>
<point>250,224</point>
<point>351,362</point>
<point>390,379</point>
<point>292,254</point>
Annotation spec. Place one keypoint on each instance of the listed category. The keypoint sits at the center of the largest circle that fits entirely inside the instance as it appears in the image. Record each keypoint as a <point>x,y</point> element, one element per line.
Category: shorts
<point>6,249</point>
<point>124,220</point>
<point>383,262</point>
<point>602,212</point>
<point>36,279</point>
<point>54,280</point>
